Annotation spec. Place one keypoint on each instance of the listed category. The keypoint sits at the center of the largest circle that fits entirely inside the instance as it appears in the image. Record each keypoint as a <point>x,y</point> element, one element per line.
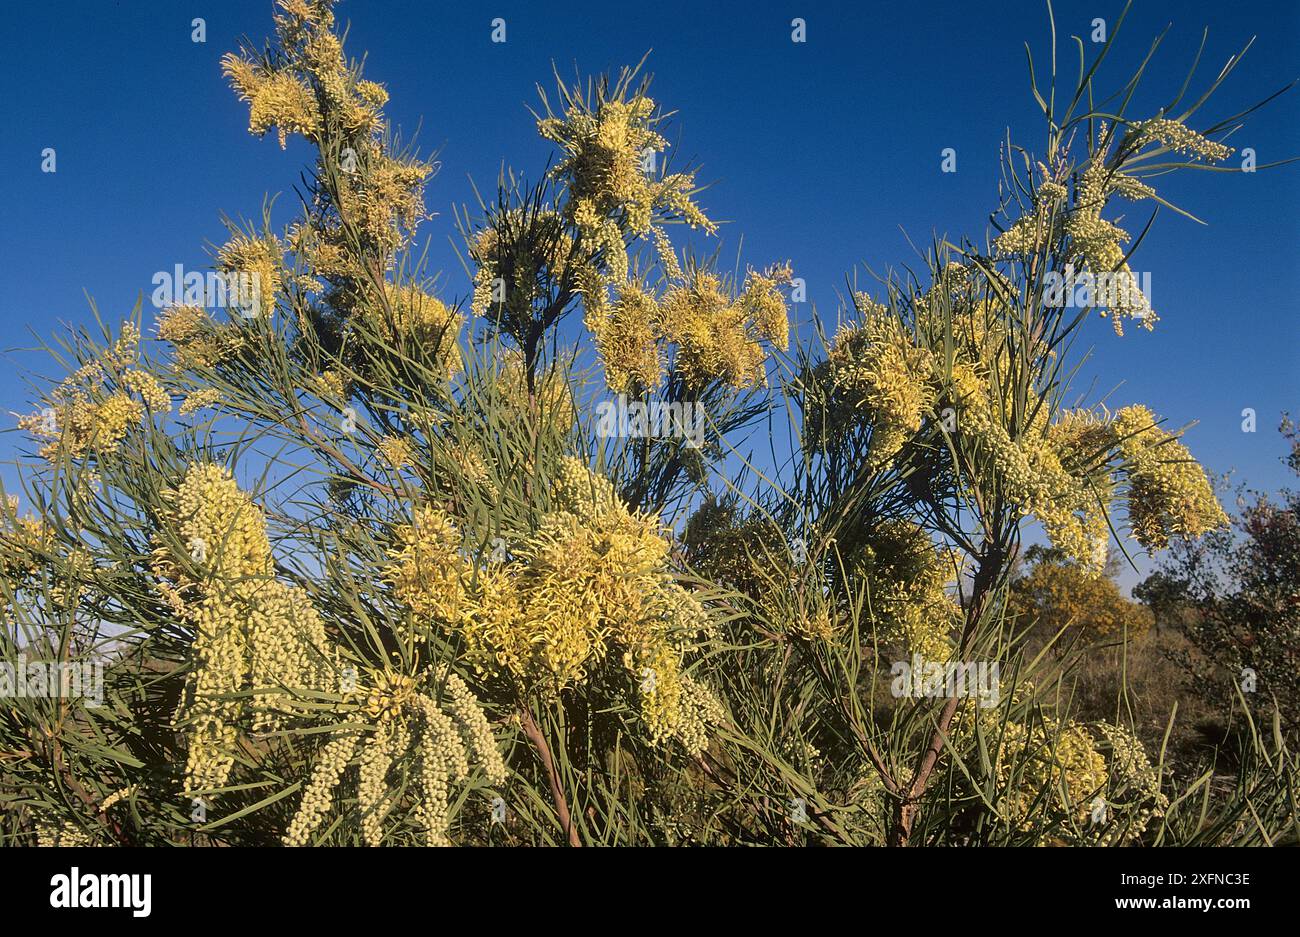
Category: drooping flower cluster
<point>627,337</point>
<point>403,718</point>
<point>317,798</point>
<point>1093,783</point>
<point>1100,243</point>
<point>1169,494</point>
<point>251,631</point>
<point>1180,138</point>
<point>1133,785</point>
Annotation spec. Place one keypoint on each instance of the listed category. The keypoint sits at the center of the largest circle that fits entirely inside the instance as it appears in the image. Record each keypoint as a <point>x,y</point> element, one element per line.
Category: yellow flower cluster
<point>26,541</point>
<point>909,596</point>
<point>387,201</point>
<point>1181,139</point>
<point>416,320</point>
<point>474,727</point>
<point>1168,493</point>
<point>718,334</point>
<point>1097,241</point>
<point>316,88</point>
<point>64,833</point>
<point>397,452</point>
<point>85,414</point>
<point>592,579</point>
<point>1055,772</point>
<point>606,149</point>
<point>402,718</point>
<point>627,333</point>
<point>1100,242</point>
<point>517,253</point>
<point>199,400</point>
<point>314,92</point>
<point>442,760</point>
<point>699,711</point>
<point>1062,473</point>
<point>426,568</point>
<point>1045,769</point>
<point>214,566</point>
<point>275,99</point>
<point>181,324</point>
<point>1065,763</point>
<point>149,389</point>
<point>1133,785</point>
<point>328,385</point>
<point>223,532</point>
<point>1071,506</point>
<point>391,738</point>
<point>879,375</point>
<point>1035,229</point>
<point>326,773</point>
<point>260,259</point>
<point>197,340</point>
<point>81,425</point>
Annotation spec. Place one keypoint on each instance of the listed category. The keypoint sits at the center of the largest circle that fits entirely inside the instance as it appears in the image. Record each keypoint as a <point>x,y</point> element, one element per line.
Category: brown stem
<point>553,775</point>
<point>990,569</point>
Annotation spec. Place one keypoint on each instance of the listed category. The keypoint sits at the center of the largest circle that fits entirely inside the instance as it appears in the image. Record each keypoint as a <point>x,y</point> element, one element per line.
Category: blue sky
<point>826,153</point>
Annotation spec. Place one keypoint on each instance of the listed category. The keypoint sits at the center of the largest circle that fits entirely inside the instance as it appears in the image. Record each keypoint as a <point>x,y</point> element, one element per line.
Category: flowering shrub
<point>361,569</point>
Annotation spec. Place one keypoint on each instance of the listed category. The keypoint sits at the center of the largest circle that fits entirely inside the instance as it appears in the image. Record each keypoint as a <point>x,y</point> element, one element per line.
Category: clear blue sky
<point>823,153</point>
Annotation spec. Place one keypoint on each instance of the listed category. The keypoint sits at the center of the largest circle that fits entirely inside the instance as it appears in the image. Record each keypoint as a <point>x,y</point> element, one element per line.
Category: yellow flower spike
<point>397,452</point>
<point>251,631</point>
<point>257,265</point>
<point>1168,494</point>
<point>331,763</point>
